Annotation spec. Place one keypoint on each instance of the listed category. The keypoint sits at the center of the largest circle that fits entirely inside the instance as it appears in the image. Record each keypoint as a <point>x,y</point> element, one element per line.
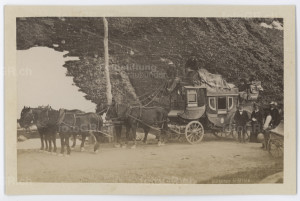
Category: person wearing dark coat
<point>243,86</point>
<point>241,118</point>
<point>256,123</point>
<point>275,115</point>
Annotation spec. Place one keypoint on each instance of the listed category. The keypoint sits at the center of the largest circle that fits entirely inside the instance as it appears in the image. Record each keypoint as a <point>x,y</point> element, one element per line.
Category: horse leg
<point>54,142</point>
<point>50,141</point>
<point>62,137</point>
<point>82,141</point>
<point>66,138</point>
<point>134,136</point>
<point>42,141</point>
<point>97,144</point>
<point>127,134</point>
<point>74,138</point>
<point>127,137</point>
<point>159,139</point>
<point>146,131</point>
<point>46,142</point>
<point>163,133</point>
<point>118,130</point>
<point>159,143</point>
<point>162,137</point>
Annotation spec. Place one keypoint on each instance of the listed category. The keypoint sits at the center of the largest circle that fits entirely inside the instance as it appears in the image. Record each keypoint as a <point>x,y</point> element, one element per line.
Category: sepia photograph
<point>151,100</point>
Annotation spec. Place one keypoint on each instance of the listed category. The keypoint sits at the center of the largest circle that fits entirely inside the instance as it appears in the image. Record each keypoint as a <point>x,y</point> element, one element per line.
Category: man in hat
<point>241,118</point>
<point>275,114</point>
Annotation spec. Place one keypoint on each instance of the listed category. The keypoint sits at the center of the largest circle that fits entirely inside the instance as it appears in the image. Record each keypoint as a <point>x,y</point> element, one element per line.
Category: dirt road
<point>172,163</point>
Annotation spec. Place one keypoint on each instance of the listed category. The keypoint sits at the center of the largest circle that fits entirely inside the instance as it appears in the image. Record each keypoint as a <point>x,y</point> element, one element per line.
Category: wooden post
<point>106,69</point>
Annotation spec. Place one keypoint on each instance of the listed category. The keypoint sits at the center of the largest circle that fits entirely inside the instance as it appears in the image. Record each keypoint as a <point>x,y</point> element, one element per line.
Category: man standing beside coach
<point>241,118</point>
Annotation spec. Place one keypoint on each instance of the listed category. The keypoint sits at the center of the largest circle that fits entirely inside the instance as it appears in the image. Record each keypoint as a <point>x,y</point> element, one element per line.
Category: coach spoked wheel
<point>194,132</point>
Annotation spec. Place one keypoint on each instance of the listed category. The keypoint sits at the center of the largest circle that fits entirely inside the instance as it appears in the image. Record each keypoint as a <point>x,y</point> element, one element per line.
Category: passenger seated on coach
<point>244,85</point>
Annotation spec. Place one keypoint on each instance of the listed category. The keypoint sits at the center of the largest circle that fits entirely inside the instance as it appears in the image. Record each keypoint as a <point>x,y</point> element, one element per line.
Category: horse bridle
<point>31,115</point>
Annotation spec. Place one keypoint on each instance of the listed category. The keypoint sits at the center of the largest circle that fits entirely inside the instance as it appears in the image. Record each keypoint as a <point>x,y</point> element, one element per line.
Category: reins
<point>103,110</point>
<point>140,121</point>
<point>140,115</point>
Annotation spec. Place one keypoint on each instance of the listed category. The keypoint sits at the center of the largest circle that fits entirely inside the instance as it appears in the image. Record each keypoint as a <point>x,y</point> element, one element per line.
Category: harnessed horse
<point>146,117</point>
<point>30,116</point>
<point>74,122</point>
<point>47,122</point>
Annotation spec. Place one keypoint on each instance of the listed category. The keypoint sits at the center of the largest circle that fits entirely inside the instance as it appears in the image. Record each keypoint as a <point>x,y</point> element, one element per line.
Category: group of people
<point>261,121</point>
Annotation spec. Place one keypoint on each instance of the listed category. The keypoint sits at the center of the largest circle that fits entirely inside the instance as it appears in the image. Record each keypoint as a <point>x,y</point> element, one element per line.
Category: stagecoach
<point>195,109</point>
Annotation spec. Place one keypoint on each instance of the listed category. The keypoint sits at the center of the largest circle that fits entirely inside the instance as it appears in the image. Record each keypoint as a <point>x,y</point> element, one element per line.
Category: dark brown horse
<point>47,122</point>
<point>145,117</point>
<point>118,114</point>
<point>68,127</point>
<point>29,117</point>
<point>74,122</point>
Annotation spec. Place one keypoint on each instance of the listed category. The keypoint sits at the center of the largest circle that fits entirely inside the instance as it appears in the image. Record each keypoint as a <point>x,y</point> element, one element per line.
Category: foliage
<point>147,48</point>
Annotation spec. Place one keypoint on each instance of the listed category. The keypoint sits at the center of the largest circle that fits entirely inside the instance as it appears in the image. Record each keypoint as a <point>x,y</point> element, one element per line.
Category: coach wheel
<point>275,148</point>
<point>194,132</point>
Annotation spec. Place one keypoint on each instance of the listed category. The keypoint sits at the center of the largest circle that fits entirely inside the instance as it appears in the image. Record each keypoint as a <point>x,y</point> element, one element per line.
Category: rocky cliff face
<point>144,50</point>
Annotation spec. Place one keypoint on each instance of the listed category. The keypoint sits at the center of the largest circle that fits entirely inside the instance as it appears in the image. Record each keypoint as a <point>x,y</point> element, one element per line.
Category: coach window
<point>192,97</point>
<point>230,103</point>
<point>222,103</point>
<point>212,103</point>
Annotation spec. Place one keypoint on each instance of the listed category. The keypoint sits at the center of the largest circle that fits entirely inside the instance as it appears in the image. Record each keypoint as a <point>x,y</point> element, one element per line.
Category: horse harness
<point>75,116</point>
<point>74,119</point>
<point>138,119</point>
<point>47,115</point>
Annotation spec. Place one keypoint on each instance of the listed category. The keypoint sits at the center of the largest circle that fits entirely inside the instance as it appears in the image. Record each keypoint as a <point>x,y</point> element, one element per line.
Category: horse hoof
<point>133,147</point>
<point>60,155</point>
<point>82,149</point>
<point>159,144</point>
<point>97,151</point>
<point>72,148</point>
<point>124,147</point>
<point>67,155</point>
<point>53,153</point>
<point>117,146</point>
